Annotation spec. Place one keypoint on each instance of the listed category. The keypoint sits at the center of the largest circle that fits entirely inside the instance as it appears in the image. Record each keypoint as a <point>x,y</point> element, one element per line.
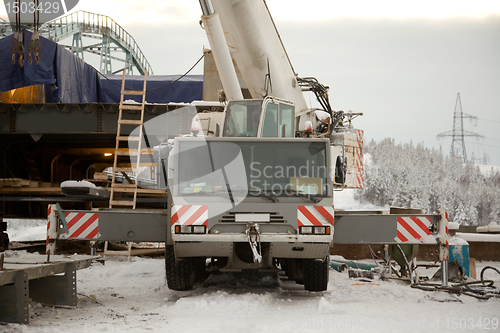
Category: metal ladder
<point>131,187</point>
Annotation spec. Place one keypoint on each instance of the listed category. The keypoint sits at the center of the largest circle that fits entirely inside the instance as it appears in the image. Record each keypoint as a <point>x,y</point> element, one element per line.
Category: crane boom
<point>256,47</point>
<point>222,57</point>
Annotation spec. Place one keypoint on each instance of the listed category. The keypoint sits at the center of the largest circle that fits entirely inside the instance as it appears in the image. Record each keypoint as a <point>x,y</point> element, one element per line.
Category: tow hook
<point>253,235</point>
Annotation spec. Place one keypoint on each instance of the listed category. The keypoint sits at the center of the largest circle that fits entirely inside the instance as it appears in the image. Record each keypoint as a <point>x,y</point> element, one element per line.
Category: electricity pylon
<point>458,134</point>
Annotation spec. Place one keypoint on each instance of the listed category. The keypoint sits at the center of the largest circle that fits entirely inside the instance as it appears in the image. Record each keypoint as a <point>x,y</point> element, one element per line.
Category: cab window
<point>270,126</point>
<point>287,119</point>
<point>278,121</point>
<point>242,118</point>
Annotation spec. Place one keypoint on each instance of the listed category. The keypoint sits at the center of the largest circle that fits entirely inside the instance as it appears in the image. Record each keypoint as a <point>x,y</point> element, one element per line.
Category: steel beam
<point>371,229</point>
<point>67,117</point>
<point>128,225</point>
<point>14,300</point>
<point>50,283</point>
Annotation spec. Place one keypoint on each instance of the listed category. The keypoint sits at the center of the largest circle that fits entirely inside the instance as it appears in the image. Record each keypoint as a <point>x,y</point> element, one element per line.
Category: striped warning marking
<point>358,157</point>
<point>359,180</point>
<point>358,160</point>
<point>49,211</point>
<point>360,138</point>
<point>314,215</point>
<point>189,215</point>
<point>414,229</point>
<point>82,225</point>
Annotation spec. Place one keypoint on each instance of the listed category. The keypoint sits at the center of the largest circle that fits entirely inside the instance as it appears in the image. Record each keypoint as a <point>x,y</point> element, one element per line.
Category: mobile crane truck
<point>252,189</point>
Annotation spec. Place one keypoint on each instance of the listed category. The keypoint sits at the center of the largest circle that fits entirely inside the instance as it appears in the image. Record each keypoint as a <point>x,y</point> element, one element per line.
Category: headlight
<point>306,230</point>
<point>185,229</point>
<point>198,229</point>
<point>320,230</point>
<point>316,230</point>
<point>190,229</point>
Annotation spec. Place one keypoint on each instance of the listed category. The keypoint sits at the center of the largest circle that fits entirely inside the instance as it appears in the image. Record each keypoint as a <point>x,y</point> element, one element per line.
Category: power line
<point>152,89</point>
<point>482,144</point>
<point>496,121</point>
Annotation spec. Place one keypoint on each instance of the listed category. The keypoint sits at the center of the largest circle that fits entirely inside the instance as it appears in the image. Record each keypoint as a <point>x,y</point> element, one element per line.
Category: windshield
<point>242,118</point>
<point>270,168</point>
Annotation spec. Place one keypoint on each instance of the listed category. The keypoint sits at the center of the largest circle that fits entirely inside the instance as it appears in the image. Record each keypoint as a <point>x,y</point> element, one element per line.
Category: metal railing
<point>89,23</point>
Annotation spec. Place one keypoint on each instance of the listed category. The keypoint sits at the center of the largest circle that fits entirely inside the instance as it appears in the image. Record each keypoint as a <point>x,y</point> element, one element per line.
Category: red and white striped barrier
<point>358,159</point>
<point>315,215</point>
<point>414,229</point>
<point>360,138</point>
<point>189,214</point>
<point>443,236</point>
<point>50,247</point>
<point>82,225</point>
<point>359,180</point>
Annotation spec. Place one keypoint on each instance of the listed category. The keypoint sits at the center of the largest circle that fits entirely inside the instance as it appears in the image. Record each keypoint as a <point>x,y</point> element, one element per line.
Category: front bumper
<point>281,246</point>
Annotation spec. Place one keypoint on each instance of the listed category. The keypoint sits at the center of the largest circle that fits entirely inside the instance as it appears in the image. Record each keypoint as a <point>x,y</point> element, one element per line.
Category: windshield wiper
<point>302,195</point>
<point>201,193</point>
<point>258,193</point>
<point>193,193</point>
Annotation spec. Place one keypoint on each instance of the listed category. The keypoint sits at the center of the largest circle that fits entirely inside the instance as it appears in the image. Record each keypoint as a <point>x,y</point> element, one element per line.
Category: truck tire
<point>316,274</point>
<point>180,272</point>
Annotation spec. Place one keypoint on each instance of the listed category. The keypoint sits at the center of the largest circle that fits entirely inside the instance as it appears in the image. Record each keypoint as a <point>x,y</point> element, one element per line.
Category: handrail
<point>93,23</point>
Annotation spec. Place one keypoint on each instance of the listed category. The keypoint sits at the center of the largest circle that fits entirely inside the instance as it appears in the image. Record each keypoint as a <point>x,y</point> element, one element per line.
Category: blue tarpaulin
<point>68,79</point>
<point>159,88</point>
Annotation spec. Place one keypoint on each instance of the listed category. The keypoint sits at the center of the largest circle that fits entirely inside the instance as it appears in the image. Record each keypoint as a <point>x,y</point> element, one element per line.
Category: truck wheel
<point>180,272</point>
<point>316,274</point>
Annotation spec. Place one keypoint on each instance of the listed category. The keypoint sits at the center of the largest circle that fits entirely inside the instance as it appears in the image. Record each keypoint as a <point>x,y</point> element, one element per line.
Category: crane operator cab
<point>267,118</point>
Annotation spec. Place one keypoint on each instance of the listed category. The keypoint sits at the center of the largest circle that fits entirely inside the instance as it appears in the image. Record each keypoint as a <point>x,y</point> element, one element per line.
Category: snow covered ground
<point>24,230</point>
<point>123,296</point>
<point>346,200</point>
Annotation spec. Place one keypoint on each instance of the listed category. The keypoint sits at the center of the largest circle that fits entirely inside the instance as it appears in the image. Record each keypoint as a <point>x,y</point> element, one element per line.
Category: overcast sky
<point>401,63</point>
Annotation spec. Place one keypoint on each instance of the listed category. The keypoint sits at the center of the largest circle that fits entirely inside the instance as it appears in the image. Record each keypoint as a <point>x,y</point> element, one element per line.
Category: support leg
<point>444,274</point>
<point>58,290</point>
<point>14,300</point>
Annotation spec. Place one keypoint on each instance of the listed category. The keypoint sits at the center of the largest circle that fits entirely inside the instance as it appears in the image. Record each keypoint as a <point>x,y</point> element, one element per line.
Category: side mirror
<point>340,170</point>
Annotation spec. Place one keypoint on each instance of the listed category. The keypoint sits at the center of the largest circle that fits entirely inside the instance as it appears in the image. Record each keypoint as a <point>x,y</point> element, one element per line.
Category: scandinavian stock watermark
<point>37,11</point>
<point>410,324</point>
<point>307,178</point>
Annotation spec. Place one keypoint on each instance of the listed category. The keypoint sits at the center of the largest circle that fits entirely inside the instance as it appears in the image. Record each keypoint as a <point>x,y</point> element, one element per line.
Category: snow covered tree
<point>412,176</point>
